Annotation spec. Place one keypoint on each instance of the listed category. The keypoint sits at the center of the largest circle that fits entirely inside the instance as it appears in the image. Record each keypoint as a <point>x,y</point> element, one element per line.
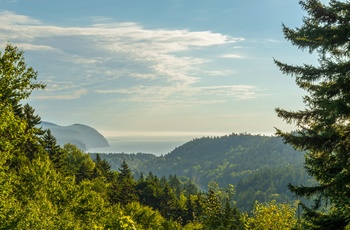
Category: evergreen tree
<point>212,211</point>
<point>125,172</point>
<point>55,152</point>
<point>114,190</point>
<point>85,172</point>
<point>149,191</point>
<point>323,127</point>
<point>168,204</point>
<point>231,217</point>
<point>176,185</point>
<point>104,168</point>
<point>124,187</point>
<point>190,188</point>
<point>189,213</point>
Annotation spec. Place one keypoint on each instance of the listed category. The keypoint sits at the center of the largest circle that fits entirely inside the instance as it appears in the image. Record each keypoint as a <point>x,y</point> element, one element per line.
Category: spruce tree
<point>168,203</point>
<point>124,186</point>
<point>323,128</point>
<point>55,152</point>
<point>104,168</point>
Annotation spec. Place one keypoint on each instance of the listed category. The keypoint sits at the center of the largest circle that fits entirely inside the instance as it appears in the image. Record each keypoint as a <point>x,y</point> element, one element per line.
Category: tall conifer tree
<point>323,128</point>
<point>55,152</point>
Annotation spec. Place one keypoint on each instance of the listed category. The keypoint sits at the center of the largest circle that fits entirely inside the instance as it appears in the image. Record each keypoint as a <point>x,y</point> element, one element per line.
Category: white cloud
<point>121,58</point>
<point>274,40</point>
<point>232,56</point>
<point>8,18</point>
<point>220,72</point>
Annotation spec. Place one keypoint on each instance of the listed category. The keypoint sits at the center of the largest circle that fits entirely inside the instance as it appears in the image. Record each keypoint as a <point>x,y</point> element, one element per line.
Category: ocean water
<point>154,145</point>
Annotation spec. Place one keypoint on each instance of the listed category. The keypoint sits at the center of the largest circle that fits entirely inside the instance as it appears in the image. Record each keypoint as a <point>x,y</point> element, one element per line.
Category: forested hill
<point>260,167</point>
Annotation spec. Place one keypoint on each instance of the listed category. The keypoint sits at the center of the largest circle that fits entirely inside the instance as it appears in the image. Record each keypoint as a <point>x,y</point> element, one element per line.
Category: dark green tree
<point>190,188</point>
<point>175,184</point>
<point>85,172</point>
<point>323,128</point>
<point>189,213</point>
<point>123,188</point>
<point>114,190</point>
<point>231,217</point>
<point>212,211</point>
<point>150,191</point>
<point>32,146</point>
<point>168,204</point>
<point>104,168</point>
<point>125,172</point>
<point>55,152</point>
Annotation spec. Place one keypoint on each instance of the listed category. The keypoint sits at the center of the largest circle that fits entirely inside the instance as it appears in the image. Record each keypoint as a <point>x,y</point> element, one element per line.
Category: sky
<point>159,67</point>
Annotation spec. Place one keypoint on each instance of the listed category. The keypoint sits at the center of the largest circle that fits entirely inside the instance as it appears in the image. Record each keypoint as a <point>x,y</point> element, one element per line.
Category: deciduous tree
<point>271,216</point>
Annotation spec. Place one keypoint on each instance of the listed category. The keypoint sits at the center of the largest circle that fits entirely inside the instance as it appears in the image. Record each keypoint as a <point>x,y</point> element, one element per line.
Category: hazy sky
<point>158,67</point>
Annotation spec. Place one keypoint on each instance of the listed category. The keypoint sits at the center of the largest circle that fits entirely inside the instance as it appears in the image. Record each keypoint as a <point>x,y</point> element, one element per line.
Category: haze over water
<point>155,143</point>
<point>141,144</point>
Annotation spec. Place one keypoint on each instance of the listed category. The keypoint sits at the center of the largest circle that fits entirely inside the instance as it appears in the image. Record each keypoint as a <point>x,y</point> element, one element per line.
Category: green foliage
<point>78,163</point>
<point>149,191</point>
<point>270,216</point>
<point>55,152</point>
<point>123,188</point>
<point>219,215</point>
<point>144,216</point>
<point>103,168</point>
<point>323,126</point>
<point>17,81</point>
<point>259,167</point>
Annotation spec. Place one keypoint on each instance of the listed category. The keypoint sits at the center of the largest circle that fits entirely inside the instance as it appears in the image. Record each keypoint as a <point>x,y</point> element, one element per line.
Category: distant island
<point>83,136</point>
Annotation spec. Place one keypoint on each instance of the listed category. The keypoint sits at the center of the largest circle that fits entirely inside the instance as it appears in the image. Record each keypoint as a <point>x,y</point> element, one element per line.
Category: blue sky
<point>158,67</point>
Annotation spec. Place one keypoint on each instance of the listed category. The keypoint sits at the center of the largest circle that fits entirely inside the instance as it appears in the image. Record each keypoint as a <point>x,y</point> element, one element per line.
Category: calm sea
<point>154,145</point>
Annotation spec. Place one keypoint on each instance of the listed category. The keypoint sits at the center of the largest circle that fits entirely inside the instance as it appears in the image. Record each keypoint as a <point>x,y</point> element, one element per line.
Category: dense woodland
<point>259,167</point>
<point>45,186</point>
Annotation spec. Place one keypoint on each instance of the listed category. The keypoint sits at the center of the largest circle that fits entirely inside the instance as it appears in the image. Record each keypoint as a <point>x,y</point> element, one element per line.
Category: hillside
<point>260,167</point>
<point>83,136</point>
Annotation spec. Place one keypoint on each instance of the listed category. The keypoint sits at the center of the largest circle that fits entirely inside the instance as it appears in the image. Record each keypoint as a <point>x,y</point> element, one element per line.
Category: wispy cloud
<point>239,92</point>
<point>63,95</point>
<point>121,58</point>
<point>274,40</point>
<point>232,56</point>
<point>175,94</point>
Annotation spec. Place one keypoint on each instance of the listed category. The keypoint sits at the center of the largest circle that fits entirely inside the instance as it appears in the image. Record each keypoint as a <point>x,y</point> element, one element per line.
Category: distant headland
<point>83,136</point>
